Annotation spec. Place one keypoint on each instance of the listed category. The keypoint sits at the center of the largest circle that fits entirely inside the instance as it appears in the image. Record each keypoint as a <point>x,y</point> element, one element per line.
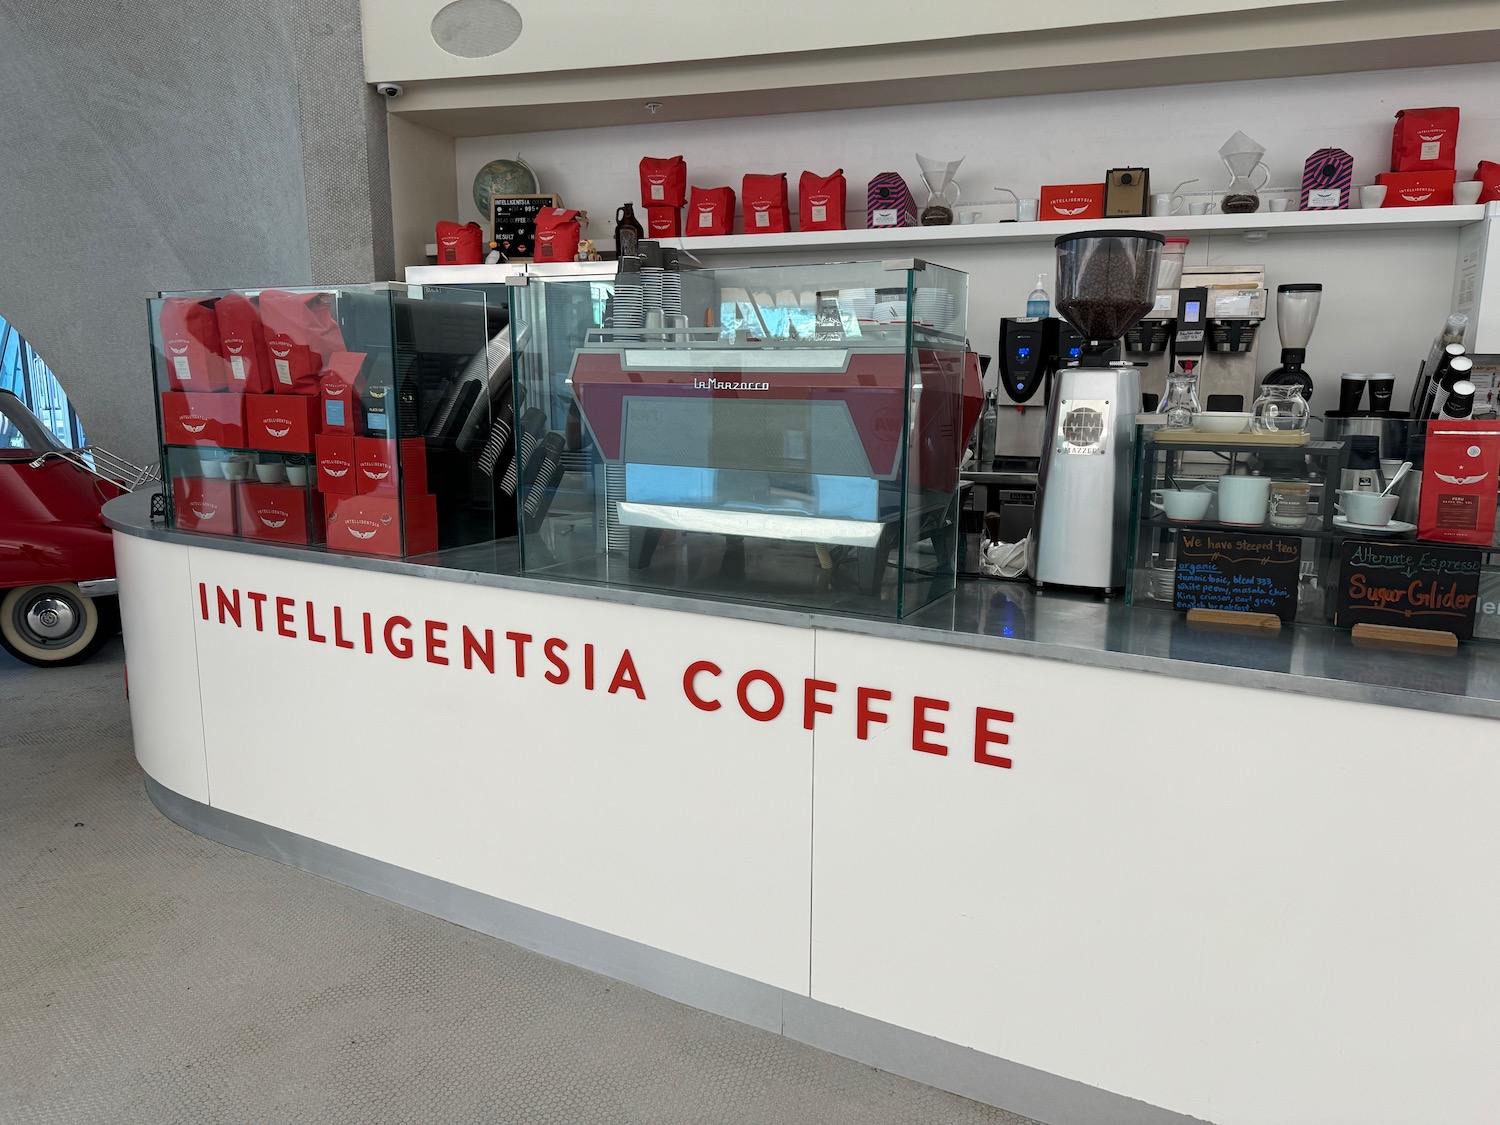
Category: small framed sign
<point>1237,571</point>
<point>513,223</point>
<point>1410,585</point>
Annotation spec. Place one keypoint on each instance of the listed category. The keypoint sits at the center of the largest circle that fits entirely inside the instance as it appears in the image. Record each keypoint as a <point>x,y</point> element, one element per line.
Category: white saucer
<point>1393,528</point>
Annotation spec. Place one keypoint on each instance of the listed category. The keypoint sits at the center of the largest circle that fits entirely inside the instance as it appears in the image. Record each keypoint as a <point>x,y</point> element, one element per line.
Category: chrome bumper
<point>99,588</point>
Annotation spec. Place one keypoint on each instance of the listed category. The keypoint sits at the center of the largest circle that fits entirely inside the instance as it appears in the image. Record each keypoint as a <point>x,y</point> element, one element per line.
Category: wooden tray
<point>1283,438</point>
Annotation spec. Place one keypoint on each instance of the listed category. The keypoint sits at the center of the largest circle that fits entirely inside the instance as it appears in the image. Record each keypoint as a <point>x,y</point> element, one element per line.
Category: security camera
<point>390,89</point>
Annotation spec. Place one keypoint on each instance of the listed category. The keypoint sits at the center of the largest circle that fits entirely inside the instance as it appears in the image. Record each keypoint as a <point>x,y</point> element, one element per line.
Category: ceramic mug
<point>1243,500</point>
<point>1279,204</point>
<point>1466,192</point>
<point>271,472</point>
<point>1165,203</point>
<point>1368,509</point>
<point>1027,210</point>
<point>1198,208</point>
<point>238,468</point>
<point>1372,196</point>
<point>297,474</point>
<point>1181,505</point>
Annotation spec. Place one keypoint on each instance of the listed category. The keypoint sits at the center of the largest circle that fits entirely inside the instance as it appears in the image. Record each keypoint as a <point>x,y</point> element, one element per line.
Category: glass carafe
<point>1180,403</point>
<point>1279,409</point>
<point>1242,156</point>
<point>942,190</point>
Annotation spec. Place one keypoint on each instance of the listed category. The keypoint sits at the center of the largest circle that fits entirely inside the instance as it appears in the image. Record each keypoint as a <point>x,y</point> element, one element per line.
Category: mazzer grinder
<point>1106,281</point>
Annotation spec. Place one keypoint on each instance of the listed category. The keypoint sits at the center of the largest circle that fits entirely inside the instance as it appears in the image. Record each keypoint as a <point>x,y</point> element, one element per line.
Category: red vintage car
<point>57,559</point>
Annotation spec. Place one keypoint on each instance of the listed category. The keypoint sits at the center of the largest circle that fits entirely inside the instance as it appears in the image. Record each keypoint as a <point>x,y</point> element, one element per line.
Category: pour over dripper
<point>1242,156</point>
<point>1296,313</point>
<point>938,175</point>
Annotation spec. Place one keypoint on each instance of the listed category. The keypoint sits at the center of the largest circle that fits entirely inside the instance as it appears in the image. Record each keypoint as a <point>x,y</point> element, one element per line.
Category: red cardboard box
<point>203,419</point>
<point>285,423</point>
<point>341,386</point>
<point>377,472</point>
<point>1425,140</point>
<point>193,353</point>
<point>1459,482</point>
<point>1072,201</point>
<point>1417,189</point>
<point>204,505</point>
<point>371,525</point>
<point>711,211</point>
<point>663,222</point>
<point>335,456</point>
<point>282,513</point>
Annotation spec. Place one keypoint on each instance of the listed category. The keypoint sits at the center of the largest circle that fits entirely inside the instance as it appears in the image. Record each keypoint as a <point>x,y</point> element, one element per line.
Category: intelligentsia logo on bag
<point>204,509</point>
<point>756,694</point>
<point>272,517</point>
<point>277,427</point>
<point>192,423</point>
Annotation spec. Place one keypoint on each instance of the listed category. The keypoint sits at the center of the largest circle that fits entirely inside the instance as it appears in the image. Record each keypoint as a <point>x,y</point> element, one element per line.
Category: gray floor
<point>149,975</point>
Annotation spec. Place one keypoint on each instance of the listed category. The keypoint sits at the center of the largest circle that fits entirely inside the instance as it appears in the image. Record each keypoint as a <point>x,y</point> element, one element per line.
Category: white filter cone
<point>938,174</point>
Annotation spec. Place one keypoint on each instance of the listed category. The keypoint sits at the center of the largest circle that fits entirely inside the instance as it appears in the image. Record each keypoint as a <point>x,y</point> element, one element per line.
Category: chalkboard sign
<point>1413,585</point>
<point>513,223</point>
<point>1237,571</point>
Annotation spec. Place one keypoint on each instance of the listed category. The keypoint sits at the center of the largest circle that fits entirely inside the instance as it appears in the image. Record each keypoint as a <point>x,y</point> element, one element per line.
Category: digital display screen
<point>1192,311</point>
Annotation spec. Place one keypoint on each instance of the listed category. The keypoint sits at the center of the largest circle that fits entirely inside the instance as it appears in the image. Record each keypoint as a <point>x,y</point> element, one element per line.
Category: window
<point>24,375</point>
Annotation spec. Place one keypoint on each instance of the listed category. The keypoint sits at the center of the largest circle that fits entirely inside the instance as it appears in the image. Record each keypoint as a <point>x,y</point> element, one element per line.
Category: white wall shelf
<point>1271,223</point>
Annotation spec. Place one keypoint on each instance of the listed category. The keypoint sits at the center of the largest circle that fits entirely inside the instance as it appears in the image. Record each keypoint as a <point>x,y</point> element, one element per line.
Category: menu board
<point>513,223</point>
<point>1237,571</point>
<point>1413,585</point>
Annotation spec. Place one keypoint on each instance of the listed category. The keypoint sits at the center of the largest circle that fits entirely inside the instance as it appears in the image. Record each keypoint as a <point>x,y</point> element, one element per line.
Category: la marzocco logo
<point>712,384</point>
<point>272,517</point>
<point>333,469</point>
<point>177,347</point>
<point>1417,194</point>
<point>193,424</point>
<point>281,349</point>
<point>1061,206</point>
<point>375,470</point>
<point>277,427</point>
<point>205,510</point>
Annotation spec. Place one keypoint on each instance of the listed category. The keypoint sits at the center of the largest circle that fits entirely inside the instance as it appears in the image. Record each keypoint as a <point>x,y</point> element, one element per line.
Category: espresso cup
<point>1466,192</point>
<point>1372,195</point>
<point>1198,208</point>
<point>1243,500</point>
<point>1368,509</point>
<point>1279,204</point>
<point>1179,504</point>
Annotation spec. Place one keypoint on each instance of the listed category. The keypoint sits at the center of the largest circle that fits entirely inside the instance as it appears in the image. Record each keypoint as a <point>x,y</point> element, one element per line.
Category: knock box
<point>378,472</point>
<point>1425,140</point>
<point>281,513</point>
<point>204,505</point>
<point>1127,192</point>
<point>284,423</point>
<point>335,456</point>
<point>372,525</point>
<point>1072,201</point>
<point>1417,189</point>
<point>1459,482</point>
<point>203,419</point>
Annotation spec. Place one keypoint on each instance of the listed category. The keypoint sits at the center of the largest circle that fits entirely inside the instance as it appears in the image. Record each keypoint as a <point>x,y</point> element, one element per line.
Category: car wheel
<point>51,624</point>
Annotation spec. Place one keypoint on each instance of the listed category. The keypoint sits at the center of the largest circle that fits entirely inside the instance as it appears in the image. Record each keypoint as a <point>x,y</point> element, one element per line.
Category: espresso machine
<point>1106,282</point>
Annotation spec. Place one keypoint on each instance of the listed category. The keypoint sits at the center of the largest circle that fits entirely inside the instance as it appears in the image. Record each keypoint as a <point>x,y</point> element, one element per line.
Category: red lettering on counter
<point>402,648</point>
<point>203,599</point>
<point>312,628</point>
<point>485,652</point>
<point>284,617</point>
<point>983,736</point>
<point>627,676</point>
<point>778,697</point>
<point>435,644</point>
<point>588,667</point>
<point>369,634</point>
<point>339,640</point>
<point>864,715</point>
<point>810,704</point>
<point>521,640</point>
<point>229,608</point>
<point>559,673</point>
<point>259,600</point>
<point>690,684</point>
<point>922,726</point>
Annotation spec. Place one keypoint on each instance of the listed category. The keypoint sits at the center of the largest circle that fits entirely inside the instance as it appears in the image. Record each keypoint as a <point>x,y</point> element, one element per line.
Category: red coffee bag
<point>1458,482</point>
<point>248,363</point>
<point>821,201</point>
<point>663,181</point>
<point>764,198</point>
<point>557,235</point>
<point>711,211</point>
<point>1425,140</point>
<point>192,351</point>
<point>1488,173</point>
<point>301,333</point>
<point>460,245</point>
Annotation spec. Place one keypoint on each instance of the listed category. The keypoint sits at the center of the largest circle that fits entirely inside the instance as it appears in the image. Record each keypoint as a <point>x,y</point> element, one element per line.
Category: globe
<point>503,177</point>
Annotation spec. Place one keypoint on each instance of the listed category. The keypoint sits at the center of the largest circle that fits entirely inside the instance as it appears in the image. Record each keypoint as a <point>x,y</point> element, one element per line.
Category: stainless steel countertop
<point>997,616</point>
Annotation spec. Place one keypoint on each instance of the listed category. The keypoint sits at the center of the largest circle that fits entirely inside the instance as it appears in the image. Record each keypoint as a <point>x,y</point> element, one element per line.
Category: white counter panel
<point>649,819</point>
<point>1246,906</point>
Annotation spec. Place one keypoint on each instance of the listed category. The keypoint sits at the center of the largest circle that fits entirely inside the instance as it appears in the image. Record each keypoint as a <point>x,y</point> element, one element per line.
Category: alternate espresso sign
<point>1413,585</point>
<point>1240,572</point>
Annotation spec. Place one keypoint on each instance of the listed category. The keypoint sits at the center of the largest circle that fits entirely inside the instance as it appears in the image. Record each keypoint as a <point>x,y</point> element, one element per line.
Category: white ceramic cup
<point>1368,509</point>
<point>212,467</point>
<point>237,468</point>
<point>1027,210</point>
<point>1198,208</point>
<point>967,218</point>
<point>1280,203</point>
<point>1372,195</point>
<point>297,474</point>
<point>1165,203</point>
<point>1466,192</point>
<point>1181,505</point>
<point>271,472</point>
<point>1243,500</point>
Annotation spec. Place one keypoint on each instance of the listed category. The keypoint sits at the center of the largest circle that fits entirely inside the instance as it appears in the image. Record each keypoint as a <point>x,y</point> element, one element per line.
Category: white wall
<point>1385,294</point>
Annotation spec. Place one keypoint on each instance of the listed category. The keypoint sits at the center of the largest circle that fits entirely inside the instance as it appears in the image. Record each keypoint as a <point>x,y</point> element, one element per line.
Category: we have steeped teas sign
<point>1235,571</point>
<point>1413,585</point>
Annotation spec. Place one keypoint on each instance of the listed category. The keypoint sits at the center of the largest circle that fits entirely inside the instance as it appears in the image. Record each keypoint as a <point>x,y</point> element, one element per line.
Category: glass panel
<point>20,430</point>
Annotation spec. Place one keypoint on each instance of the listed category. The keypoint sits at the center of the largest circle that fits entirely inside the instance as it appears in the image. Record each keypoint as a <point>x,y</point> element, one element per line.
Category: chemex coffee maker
<point>1106,281</point>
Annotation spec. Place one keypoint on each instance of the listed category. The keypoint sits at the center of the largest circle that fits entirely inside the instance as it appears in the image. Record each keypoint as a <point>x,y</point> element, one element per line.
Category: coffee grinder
<point>1296,313</point>
<point>1106,282</point>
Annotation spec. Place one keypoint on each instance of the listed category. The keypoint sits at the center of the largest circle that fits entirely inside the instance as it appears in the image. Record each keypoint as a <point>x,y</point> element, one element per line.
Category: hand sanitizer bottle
<point>1037,304</point>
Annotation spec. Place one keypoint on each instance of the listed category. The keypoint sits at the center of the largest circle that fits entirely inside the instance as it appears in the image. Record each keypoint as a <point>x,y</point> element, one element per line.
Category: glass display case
<point>361,418</point>
<point>786,434</point>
